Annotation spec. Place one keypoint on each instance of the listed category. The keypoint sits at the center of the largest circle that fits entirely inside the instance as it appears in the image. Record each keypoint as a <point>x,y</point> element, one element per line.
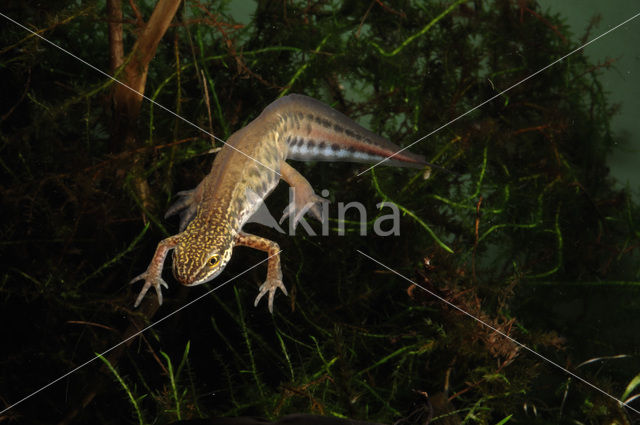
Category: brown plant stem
<point>127,97</point>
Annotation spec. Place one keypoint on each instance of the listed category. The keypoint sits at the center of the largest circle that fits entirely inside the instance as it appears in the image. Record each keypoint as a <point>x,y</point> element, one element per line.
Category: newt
<point>243,174</point>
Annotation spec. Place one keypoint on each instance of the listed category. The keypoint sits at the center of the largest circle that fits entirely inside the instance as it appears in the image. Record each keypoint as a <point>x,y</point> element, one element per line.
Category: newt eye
<point>214,261</point>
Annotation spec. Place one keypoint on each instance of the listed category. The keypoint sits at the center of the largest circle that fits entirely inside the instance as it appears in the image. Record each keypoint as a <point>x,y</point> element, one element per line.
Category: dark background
<point>527,232</point>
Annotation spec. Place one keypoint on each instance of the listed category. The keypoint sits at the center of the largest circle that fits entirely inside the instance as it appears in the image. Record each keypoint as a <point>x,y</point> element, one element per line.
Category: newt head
<point>201,256</point>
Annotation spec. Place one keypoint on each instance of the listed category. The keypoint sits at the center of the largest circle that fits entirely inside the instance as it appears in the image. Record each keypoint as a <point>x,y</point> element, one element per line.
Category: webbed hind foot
<point>186,206</point>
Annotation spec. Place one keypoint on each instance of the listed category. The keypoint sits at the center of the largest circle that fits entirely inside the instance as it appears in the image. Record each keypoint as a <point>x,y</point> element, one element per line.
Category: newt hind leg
<point>186,205</point>
<point>274,272</point>
<point>305,199</point>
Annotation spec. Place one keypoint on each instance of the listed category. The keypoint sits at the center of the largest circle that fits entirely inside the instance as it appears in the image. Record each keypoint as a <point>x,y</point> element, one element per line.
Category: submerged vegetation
<point>525,231</point>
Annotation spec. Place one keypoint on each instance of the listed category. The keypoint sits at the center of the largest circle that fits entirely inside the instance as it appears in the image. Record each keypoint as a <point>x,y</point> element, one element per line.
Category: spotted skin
<point>212,215</point>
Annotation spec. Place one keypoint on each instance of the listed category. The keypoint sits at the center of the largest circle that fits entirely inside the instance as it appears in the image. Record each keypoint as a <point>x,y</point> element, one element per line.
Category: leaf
<point>635,382</point>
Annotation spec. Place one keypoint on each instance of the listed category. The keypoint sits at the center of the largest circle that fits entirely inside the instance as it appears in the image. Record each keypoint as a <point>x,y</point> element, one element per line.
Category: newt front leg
<point>153,275</point>
<point>274,273</point>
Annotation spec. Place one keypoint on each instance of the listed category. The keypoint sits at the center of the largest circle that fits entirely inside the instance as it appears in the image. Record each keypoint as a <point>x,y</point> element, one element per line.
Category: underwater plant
<point>523,228</point>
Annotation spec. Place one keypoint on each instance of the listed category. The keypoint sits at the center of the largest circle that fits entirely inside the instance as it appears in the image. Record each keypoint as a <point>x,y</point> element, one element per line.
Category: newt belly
<point>244,172</point>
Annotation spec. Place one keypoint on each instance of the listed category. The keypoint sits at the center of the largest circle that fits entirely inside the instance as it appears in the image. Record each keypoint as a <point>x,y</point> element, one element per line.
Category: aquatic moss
<point>527,209</point>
